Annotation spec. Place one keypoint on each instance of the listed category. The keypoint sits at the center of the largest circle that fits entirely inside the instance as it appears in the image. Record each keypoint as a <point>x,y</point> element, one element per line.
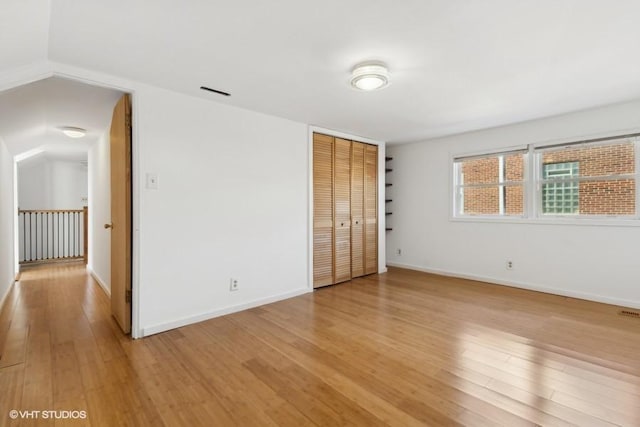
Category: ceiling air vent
<point>629,313</point>
<point>219,92</point>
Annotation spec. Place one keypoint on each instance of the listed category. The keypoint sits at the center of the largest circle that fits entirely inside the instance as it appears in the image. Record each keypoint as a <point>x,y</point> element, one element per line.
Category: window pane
<point>491,185</point>
<point>480,171</point>
<point>598,160</point>
<point>486,170</point>
<point>514,200</point>
<point>613,197</point>
<point>569,173</point>
<point>514,167</point>
<point>481,201</point>
<point>486,200</point>
<point>560,197</point>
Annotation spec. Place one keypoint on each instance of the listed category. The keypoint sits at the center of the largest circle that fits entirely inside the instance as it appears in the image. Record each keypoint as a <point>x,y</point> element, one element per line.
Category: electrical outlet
<point>509,265</point>
<point>233,284</point>
<point>398,251</point>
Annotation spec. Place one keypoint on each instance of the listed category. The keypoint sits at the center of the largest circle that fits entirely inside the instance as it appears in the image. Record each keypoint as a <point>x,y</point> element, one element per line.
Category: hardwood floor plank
<point>402,393</point>
<point>15,346</point>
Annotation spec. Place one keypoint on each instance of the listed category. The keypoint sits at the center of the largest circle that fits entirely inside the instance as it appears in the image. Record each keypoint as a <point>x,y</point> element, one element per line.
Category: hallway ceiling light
<point>73,132</point>
<point>370,76</point>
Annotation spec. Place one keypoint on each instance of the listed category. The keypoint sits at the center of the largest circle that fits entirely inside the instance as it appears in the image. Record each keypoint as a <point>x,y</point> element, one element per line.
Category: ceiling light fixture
<point>370,76</point>
<point>73,132</point>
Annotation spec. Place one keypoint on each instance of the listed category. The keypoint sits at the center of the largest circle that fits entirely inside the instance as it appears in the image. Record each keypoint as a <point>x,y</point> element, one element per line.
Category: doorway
<point>37,113</point>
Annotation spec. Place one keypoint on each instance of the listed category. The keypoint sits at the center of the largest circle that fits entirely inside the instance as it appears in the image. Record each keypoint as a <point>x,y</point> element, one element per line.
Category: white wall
<point>100,212</point>
<point>34,183</point>
<point>231,202</point>
<point>587,261</point>
<point>69,184</point>
<point>45,183</point>
<point>7,265</point>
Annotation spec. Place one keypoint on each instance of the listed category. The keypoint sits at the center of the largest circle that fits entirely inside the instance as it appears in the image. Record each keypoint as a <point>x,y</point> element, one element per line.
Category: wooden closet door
<point>322,210</point>
<point>371,208</point>
<point>357,209</point>
<point>342,209</point>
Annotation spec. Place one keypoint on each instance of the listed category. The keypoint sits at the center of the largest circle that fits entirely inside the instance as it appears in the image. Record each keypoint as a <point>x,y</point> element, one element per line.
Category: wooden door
<point>357,209</point>
<point>342,209</point>
<point>121,213</point>
<point>322,210</point>
<point>371,208</point>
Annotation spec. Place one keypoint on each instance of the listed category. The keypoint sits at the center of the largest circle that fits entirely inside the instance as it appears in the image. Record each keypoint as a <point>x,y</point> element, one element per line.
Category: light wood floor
<point>403,349</point>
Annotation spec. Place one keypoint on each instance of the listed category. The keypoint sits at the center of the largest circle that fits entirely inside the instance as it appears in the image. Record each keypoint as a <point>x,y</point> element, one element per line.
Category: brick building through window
<point>593,179</point>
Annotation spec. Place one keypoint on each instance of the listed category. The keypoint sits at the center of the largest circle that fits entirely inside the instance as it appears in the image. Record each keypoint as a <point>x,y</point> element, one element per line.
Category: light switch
<point>152,181</point>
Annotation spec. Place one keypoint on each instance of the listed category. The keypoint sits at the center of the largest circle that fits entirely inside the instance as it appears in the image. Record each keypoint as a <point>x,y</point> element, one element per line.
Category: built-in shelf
<point>388,184</point>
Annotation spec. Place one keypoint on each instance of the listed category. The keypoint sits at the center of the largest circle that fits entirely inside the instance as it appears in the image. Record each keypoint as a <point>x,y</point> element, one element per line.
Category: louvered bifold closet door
<point>342,209</point>
<point>371,208</point>
<point>357,209</point>
<point>322,210</point>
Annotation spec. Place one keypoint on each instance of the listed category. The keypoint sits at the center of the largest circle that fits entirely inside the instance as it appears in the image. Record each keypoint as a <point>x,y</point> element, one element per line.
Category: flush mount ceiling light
<point>73,132</point>
<point>370,76</point>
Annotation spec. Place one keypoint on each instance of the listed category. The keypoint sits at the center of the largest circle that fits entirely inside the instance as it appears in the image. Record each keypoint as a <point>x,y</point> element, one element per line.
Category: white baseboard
<point>100,282</point>
<point>162,327</point>
<point>6,294</point>
<point>522,285</point>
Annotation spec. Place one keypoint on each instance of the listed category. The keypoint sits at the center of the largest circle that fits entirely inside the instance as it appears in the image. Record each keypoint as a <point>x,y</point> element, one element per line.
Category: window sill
<point>598,222</point>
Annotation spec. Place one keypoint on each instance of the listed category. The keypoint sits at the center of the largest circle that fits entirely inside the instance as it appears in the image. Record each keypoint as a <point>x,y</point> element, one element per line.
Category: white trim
<point>585,137</point>
<point>162,327</point>
<point>637,152</point>
<point>382,254</point>
<point>310,209</point>
<point>343,135</point>
<point>470,155</point>
<point>21,76</point>
<point>92,78</point>
<point>16,222</point>
<point>552,220</point>
<point>99,281</point>
<point>136,185</point>
<point>6,295</point>
<point>530,202</point>
<point>523,285</point>
<point>501,184</point>
<point>111,82</point>
<point>457,204</point>
<point>601,140</point>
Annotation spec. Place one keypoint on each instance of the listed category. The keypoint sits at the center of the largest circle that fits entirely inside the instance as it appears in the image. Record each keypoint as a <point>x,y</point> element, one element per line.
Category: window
<point>560,196</point>
<point>588,179</point>
<point>491,184</point>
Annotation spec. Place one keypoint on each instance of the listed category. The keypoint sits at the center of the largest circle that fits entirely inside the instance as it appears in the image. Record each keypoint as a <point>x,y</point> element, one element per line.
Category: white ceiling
<point>456,65</point>
<point>31,116</point>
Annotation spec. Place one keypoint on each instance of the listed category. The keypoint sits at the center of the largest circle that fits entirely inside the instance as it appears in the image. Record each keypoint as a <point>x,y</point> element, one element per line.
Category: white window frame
<point>538,152</point>
<point>458,184</point>
<point>532,185</point>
